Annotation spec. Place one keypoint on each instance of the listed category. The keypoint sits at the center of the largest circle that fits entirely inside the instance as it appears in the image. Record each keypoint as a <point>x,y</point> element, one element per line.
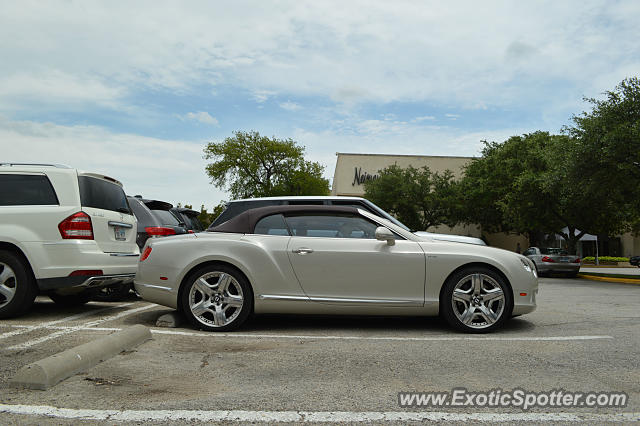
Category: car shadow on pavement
<point>300,323</point>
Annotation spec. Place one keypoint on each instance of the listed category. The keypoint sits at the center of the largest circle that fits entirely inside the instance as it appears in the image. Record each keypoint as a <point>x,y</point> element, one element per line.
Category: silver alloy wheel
<point>216,299</point>
<point>478,301</point>
<point>7,284</point>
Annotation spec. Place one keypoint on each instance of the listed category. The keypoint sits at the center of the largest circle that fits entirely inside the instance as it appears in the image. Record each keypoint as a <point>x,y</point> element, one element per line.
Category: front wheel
<point>476,300</point>
<point>217,298</point>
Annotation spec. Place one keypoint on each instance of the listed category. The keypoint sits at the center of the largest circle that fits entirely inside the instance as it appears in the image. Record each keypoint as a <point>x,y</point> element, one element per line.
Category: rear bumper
<point>557,267</point>
<point>98,281</point>
<point>57,260</point>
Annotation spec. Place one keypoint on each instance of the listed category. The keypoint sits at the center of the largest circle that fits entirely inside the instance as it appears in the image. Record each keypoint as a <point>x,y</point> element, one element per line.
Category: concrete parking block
<point>50,371</point>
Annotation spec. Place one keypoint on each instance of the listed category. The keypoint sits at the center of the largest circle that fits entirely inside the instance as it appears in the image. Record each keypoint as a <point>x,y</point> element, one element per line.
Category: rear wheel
<point>113,293</point>
<point>476,300</point>
<point>17,287</point>
<point>217,298</point>
<point>71,299</point>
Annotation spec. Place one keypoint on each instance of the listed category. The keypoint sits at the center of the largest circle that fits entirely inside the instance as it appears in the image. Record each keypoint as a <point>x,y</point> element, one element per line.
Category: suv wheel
<point>113,293</point>
<point>17,286</point>
<point>71,299</point>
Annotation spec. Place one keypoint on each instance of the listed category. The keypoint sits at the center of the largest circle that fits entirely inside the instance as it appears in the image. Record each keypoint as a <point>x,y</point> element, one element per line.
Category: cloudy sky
<point>136,89</point>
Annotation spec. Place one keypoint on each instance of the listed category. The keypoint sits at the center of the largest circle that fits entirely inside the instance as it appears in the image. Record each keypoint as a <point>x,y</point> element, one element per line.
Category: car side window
<point>331,226</point>
<point>529,252</point>
<point>271,225</point>
<point>26,190</point>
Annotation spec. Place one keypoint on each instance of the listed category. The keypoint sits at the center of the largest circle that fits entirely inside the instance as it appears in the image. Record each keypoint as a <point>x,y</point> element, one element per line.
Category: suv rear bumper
<point>57,260</point>
<point>97,281</point>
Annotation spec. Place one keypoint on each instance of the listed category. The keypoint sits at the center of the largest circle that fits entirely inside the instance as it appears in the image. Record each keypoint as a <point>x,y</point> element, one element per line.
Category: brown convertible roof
<point>246,221</point>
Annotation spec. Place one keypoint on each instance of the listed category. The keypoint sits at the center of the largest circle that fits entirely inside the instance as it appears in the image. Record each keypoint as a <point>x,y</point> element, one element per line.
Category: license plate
<point>119,233</point>
<point>564,259</point>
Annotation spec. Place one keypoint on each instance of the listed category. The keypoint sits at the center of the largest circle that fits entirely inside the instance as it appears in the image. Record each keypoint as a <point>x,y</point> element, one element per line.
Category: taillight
<point>145,254</point>
<point>577,260</point>
<point>159,231</point>
<point>547,259</point>
<point>77,226</point>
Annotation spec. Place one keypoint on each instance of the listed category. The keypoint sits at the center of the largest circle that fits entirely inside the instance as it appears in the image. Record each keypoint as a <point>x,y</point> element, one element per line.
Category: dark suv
<point>155,219</point>
<point>188,218</point>
<point>236,207</point>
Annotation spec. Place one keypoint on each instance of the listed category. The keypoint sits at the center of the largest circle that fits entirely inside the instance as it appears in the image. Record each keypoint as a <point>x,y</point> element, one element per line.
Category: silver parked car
<point>553,259</point>
<point>331,260</point>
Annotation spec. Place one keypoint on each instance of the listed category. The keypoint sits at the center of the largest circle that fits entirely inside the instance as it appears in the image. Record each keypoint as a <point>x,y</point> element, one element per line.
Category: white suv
<point>63,232</point>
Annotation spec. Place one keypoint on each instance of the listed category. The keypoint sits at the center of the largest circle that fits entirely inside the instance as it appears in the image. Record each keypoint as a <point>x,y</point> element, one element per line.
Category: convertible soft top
<point>246,221</point>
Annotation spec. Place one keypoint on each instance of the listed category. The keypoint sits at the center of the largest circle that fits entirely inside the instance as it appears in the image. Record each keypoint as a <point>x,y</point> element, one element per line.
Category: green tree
<point>533,184</point>
<point>607,156</point>
<point>250,165</point>
<point>417,197</point>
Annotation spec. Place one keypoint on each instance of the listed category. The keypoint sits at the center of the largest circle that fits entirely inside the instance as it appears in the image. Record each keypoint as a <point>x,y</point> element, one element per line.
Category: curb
<point>609,279</point>
<point>50,371</point>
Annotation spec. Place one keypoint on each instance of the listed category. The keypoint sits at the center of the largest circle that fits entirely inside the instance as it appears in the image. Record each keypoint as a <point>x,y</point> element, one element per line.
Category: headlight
<point>529,266</point>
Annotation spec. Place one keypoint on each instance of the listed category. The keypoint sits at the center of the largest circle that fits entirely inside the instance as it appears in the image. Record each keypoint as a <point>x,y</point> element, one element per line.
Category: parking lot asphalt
<point>583,337</point>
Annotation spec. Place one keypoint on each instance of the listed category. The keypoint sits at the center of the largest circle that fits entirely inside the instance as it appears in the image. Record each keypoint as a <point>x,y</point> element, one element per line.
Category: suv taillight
<point>159,231</point>
<point>576,260</point>
<point>547,259</point>
<point>77,226</point>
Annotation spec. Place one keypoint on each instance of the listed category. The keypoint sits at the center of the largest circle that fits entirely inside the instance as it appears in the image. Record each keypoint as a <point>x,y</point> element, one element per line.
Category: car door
<point>337,259</point>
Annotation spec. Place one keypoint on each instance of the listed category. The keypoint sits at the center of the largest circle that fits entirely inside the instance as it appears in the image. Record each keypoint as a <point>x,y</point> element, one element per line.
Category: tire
<point>211,308</point>
<point>470,311</point>
<point>113,293</point>
<point>70,300</point>
<point>18,289</point>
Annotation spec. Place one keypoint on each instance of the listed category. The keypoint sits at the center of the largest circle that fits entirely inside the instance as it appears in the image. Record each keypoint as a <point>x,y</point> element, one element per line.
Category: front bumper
<point>84,282</point>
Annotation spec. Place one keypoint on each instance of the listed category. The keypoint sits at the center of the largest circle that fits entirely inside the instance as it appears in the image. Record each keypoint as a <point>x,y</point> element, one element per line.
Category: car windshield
<point>552,250</point>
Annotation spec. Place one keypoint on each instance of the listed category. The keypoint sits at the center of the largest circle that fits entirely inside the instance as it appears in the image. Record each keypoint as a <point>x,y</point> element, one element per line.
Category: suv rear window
<point>101,194</point>
<point>165,217</point>
<point>26,190</point>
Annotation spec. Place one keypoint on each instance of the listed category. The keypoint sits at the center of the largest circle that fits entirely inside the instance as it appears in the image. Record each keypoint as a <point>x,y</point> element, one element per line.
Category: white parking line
<point>393,338</point>
<point>81,315</point>
<point>73,329</point>
<point>309,416</point>
<point>312,337</point>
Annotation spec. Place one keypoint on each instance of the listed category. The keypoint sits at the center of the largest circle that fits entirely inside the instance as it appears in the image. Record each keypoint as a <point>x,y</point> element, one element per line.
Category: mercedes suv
<point>63,233</point>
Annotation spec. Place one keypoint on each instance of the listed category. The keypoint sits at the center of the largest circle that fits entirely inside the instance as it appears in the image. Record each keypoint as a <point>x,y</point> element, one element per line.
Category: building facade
<point>353,170</point>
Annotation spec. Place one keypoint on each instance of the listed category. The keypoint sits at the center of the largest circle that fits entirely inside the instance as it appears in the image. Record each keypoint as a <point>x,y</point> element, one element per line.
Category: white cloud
<point>452,116</point>
<point>467,53</point>
<point>290,106</point>
<point>423,118</point>
<point>171,170</point>
<point>202,117</point>
<point>261,96</point>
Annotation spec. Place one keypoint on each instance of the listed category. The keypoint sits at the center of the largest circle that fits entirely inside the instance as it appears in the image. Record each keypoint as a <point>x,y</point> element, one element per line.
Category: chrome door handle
<point>302,250</point>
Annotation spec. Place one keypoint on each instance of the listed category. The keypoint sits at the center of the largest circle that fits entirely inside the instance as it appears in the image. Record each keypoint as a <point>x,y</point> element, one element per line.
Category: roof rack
<point>59,166</point>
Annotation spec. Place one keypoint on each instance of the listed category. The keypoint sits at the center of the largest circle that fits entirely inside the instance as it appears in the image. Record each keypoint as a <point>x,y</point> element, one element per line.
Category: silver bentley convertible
<point>331,260</point>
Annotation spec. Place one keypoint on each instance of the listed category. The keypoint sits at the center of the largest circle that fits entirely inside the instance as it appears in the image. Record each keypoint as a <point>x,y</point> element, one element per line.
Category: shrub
<point>606,259</point>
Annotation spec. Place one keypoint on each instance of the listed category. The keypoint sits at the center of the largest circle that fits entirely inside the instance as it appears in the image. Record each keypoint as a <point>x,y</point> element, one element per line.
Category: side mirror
<point>383,234</point>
